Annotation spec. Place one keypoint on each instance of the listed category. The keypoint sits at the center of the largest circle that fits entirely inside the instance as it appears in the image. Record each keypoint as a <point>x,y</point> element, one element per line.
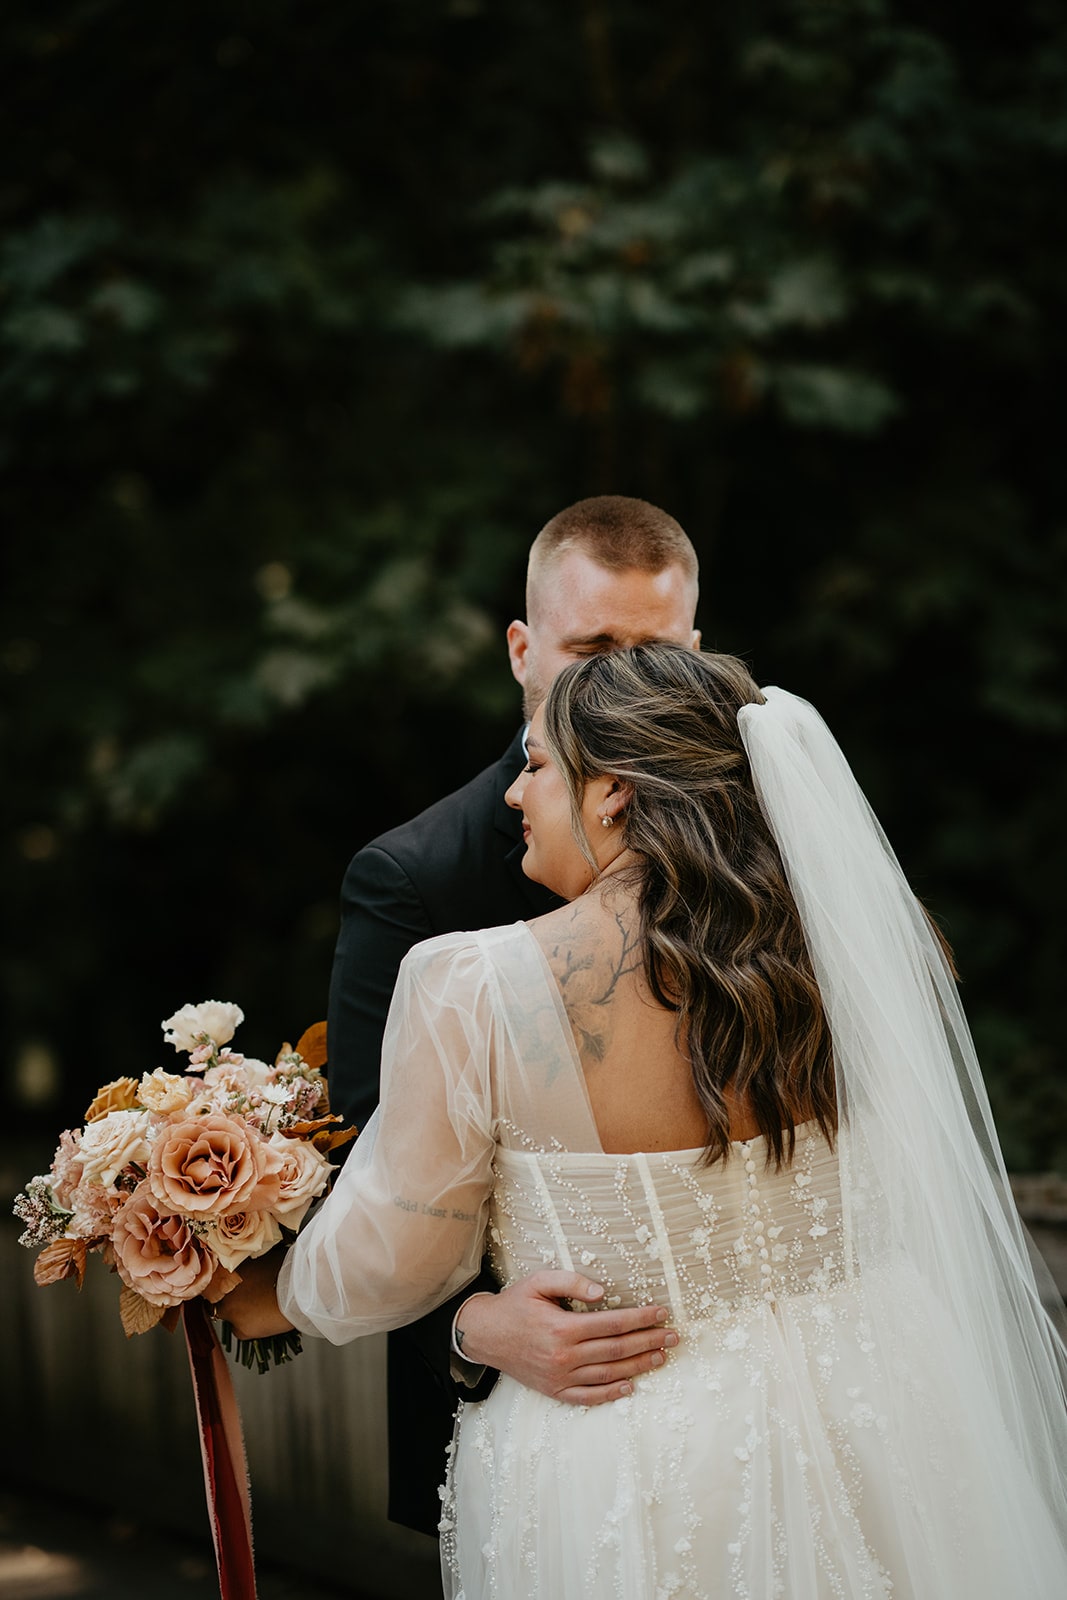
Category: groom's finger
<point>592,1326</point>
<point>552,1283</point>
<point>607,1360</point>
<point>595,1394</point>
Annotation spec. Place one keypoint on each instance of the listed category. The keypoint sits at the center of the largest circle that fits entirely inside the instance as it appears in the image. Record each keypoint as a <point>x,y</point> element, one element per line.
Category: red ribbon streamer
<point>222,1448</point>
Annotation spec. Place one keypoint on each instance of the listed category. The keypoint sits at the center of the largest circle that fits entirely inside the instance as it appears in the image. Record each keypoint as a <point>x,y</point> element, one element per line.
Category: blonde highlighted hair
<point>721,937</point>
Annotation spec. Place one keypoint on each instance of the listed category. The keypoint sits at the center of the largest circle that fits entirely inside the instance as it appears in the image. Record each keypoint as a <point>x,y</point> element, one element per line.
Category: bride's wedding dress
<point>823,1429</point>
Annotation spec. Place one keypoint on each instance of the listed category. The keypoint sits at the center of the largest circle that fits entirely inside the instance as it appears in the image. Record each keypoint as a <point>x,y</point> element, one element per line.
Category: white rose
<point>243,1234</point>
<point>305,1174</point>
<point>218,1019</point>
<point>162,1091</point>
<point>111,1143</point>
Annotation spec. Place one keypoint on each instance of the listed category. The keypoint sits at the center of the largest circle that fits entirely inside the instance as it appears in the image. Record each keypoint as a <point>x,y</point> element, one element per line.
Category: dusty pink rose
<point>305,1174</point>
<point>210,1166</point>
<point>67,1167</point>
<point>94,1209</point>
<point>156,1253</point>
<point>241,1234</point>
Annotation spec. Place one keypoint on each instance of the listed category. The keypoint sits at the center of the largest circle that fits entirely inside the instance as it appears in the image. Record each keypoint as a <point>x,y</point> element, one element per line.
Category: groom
<point>605,574</point>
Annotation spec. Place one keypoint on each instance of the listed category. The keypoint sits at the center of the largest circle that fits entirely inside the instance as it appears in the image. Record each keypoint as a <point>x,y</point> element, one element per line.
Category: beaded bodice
<point>665,1228</point>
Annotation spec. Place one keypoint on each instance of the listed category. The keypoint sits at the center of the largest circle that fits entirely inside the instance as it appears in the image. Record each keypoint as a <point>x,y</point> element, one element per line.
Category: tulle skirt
<point>809,1450</point>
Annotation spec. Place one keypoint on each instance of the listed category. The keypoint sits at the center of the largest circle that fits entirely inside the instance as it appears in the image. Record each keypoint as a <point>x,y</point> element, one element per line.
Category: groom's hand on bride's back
<point>584,1357</point>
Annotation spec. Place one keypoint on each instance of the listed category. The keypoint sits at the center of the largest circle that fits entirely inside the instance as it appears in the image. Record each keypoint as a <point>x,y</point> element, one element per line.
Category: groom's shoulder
<point>458,829</point>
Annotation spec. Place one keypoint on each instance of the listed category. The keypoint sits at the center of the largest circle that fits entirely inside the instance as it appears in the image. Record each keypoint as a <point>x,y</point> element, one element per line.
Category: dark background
<point>311,315</point>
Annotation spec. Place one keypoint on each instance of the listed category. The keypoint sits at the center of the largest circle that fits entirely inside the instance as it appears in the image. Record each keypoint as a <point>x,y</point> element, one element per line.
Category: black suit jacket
<point>457,865</point>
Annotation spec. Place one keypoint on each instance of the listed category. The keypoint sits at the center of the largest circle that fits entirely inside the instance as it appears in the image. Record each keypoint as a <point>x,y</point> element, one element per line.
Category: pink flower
<point>94,1209</point>
<point>67,1167</point>
<point>156,1253</point>
<point>241,1234</point>
<point>304,1175</point>
<point>210,1166</point>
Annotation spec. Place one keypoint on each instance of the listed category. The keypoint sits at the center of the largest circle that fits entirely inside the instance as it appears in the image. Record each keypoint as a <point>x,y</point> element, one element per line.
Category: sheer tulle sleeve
<point>403,1228</point>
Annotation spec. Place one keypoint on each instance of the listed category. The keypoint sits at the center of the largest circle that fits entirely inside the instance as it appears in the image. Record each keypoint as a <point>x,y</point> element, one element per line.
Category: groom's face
<point>583,609</point>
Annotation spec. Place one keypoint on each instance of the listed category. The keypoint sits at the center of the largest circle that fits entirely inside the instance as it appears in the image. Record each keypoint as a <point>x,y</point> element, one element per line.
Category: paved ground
<point>56,1551</point>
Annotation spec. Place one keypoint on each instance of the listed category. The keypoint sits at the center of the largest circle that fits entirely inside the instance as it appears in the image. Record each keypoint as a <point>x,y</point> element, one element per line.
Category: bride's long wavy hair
<point>721,937</point>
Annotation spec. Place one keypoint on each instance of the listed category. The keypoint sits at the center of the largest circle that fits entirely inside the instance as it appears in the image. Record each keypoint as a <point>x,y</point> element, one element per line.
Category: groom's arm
<point>382,916</point>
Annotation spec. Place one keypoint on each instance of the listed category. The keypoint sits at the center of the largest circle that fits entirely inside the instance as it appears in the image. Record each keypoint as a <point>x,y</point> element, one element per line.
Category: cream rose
<point>111,1143</point>
<point>163,1092</point>
<point>304,1175</point>
<point>210,1166</point>
<point>241,1234</point>
<point>157,1254</point>
<point>217,1019</point>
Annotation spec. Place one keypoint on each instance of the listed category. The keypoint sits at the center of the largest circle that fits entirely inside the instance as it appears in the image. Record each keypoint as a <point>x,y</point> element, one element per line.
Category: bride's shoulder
<point>464,951</point>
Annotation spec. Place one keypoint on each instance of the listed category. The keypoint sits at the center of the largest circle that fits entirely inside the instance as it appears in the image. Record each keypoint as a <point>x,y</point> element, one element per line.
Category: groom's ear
<point>518,646</point>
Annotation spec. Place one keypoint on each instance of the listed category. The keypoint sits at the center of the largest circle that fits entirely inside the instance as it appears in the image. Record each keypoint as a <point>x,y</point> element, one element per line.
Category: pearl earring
<point>607,822</point>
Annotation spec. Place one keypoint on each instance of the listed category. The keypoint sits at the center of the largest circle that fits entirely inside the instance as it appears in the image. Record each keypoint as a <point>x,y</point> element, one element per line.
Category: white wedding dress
<point>826,1428</point>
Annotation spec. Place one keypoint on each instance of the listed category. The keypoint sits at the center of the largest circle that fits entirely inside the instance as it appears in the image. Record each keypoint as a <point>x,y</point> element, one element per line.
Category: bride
<point>731,1076</point>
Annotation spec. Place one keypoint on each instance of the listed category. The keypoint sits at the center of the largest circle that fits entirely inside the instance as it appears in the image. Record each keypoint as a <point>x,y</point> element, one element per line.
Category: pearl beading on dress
<point>627,1221</point>
<point>743,1466</point>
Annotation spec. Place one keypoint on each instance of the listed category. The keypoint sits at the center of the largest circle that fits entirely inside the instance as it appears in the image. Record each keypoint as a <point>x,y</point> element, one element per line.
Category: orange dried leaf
<point>137,1313</point>
<point>312,1045</point>
<point>120,1095</point>
<point>63,1258</point>
<point>170,1318</point>
<point>306,1130</point>
<point>325,1142</point>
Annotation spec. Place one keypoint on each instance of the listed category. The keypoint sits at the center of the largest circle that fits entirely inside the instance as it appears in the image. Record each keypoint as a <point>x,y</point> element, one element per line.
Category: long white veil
<point>925,1193</point>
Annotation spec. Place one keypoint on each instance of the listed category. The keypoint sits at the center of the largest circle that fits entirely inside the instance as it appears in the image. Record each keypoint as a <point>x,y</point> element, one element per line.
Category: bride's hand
<point>252,1308</point>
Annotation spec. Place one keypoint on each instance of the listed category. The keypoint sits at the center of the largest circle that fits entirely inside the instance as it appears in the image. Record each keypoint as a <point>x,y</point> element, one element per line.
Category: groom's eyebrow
<point>607,641</point>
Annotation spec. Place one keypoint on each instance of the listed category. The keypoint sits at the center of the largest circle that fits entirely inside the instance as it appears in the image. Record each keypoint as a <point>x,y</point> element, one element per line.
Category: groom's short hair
<point>618,533</point>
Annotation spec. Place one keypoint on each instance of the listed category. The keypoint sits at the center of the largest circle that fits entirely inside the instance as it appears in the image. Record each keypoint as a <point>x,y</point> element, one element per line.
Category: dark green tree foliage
<point>309,316</point>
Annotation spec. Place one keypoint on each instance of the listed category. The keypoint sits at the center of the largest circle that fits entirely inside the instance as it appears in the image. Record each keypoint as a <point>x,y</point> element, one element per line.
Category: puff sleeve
<point>403,1229</point>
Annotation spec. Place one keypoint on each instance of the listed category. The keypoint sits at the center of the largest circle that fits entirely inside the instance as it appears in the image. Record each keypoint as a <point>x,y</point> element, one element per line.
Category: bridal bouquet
<point>177,1180</point>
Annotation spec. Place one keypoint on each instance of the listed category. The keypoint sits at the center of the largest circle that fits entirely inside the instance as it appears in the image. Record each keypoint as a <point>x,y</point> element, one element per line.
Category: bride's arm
<point>403,1229</point>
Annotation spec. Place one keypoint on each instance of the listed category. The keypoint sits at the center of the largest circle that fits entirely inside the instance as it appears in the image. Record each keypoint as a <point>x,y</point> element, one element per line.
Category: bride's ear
<point>617,799</point>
